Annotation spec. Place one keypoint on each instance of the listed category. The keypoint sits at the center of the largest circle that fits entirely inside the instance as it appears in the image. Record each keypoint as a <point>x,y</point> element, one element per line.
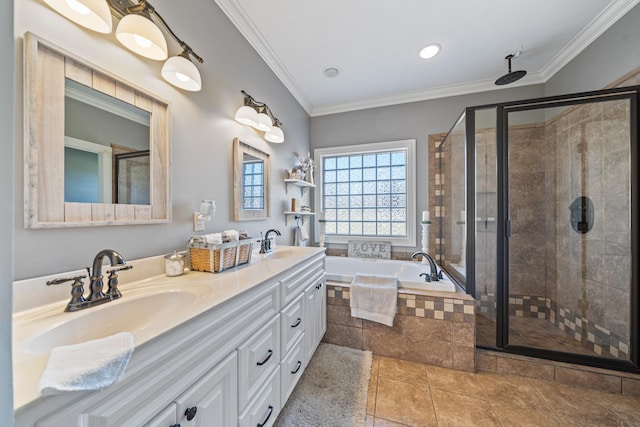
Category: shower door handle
<point>507,228</point>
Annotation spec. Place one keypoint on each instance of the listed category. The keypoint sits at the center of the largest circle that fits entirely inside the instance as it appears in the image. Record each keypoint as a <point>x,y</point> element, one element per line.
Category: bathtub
<point>342,269</point>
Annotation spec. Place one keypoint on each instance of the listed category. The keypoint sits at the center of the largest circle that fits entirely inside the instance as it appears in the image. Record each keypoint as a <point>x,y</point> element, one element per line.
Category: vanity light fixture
<point>258,115</point>
<point>138,32</point>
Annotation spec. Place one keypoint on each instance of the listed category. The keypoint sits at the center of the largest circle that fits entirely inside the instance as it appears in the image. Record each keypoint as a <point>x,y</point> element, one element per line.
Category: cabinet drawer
<point>292,324</point>
<point>291,369</point>
<point>257,358</point>
<point>264,408</point>
<point>294,284</point>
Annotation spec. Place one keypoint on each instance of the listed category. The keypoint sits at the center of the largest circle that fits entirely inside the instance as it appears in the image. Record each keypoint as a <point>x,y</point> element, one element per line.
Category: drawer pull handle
<point>295,325</point>
<point>190,413</point>
<point>266,358</point>
<point>298,366</point>
<point>264,423</point>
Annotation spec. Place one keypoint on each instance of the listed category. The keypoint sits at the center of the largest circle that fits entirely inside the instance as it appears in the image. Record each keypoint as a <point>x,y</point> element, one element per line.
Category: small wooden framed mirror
<point>96,147</point>
<point>251,182</point>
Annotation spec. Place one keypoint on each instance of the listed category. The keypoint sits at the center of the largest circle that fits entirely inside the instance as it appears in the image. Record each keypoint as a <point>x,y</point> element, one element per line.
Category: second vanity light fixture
<point>258,115</point>
<point>138,32</point>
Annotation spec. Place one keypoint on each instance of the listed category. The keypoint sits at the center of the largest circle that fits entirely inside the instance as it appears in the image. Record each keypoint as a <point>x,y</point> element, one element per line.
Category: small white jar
<point>174,264</point>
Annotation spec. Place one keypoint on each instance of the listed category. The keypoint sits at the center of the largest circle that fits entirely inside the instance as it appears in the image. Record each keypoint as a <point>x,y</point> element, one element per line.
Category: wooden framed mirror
<point>251,182</point>
<point>96,147</point>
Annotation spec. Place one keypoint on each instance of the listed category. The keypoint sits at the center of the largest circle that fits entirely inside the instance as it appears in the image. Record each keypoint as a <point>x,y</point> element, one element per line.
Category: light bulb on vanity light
<point>275,135</point>
<point>92,14</point>
<point>247,116</point>
<point>181,72</point>
<point>140,35</point>
<point>264,123</point>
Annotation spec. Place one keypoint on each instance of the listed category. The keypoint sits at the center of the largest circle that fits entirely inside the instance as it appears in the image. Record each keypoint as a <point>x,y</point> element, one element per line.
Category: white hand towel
<point>90,365</point>
<point>374,297</point>
<point>213,238</point>
<point>304,234</point>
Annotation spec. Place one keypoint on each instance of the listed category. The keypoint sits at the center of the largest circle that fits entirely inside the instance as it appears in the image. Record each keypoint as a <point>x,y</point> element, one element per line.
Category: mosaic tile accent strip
<point>452,309</point>
<point>597,338</point>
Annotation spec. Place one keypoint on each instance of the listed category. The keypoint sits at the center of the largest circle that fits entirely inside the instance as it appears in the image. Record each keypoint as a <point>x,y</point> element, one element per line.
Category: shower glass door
<point>568,250</point>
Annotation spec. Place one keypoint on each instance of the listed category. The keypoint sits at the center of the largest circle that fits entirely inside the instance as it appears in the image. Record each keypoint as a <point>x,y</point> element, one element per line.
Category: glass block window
<point>252,187</point>
<point>365,193</point>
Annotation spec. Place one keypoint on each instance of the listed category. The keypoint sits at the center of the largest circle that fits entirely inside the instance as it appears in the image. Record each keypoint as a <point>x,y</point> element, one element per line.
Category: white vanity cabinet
<point>232,365</point>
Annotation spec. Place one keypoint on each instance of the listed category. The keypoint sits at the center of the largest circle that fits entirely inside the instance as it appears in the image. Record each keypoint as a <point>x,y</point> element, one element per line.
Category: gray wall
<point>407,121</point>
<point>615,53</point>
<point>201,133</point>
<point>6,215</point>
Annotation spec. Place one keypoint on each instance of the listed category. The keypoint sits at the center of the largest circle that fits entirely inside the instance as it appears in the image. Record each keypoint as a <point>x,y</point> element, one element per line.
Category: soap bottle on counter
<point>174,264</point>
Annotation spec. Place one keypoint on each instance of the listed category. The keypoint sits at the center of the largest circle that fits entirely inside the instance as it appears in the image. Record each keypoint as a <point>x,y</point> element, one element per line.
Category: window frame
<point>407,145</point>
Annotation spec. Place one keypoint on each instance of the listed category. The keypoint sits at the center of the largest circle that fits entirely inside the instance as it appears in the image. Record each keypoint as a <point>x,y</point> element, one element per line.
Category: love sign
<point>369,249</point>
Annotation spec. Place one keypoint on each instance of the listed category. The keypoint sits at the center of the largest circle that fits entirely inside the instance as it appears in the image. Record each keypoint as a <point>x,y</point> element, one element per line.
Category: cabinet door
<point>322,310</point>
<point>310,332</point>
<point>211,401</point>
<point>315,312</point>
<point>166,418</point>
<point>257,358</point>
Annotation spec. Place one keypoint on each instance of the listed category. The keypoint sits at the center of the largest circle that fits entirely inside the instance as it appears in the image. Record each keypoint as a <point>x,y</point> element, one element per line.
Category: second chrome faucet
<point>265,244</point>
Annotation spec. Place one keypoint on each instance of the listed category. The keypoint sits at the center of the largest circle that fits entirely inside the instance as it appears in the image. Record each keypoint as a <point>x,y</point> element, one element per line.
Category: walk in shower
<point>538,201</point>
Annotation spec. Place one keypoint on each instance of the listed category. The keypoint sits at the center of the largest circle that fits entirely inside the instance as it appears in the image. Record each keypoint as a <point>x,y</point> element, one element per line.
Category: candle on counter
<point>425,216</point>
<point>463,216</point>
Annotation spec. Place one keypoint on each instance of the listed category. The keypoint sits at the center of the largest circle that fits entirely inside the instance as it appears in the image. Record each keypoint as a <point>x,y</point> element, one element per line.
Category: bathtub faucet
<point>435,274</point>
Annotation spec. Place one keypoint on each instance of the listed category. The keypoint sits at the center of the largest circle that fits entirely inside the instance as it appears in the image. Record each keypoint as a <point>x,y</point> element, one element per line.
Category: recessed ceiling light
<point>331,72</point>
<point>429,51</point>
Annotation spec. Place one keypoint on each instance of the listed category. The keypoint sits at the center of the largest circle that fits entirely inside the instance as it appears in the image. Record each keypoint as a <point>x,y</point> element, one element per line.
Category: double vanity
<point>221,349</point>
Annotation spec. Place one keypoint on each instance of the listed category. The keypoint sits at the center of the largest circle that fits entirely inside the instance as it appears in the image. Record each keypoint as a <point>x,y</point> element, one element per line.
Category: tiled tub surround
<point>436,328</point>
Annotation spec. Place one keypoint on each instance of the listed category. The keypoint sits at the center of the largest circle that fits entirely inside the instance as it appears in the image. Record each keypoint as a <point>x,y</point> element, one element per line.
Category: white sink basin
<point>283,253</point>
<point>146,307</point>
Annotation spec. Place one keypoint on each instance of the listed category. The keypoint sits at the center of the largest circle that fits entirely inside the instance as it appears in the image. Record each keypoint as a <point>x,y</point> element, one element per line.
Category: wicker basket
<point>217,258</point>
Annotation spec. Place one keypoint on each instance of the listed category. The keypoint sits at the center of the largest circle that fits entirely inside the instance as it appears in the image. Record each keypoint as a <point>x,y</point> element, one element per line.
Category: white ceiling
<point>375,44</point>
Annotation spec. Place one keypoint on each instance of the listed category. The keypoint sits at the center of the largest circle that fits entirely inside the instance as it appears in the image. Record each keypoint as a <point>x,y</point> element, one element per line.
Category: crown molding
<point>424,95</point>
<point>588,35</point>
<point>601,23</point>
<point>249,30</point>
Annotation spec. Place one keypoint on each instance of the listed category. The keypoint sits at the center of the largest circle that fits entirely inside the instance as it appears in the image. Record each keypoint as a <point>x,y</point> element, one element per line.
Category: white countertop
<point>29,361</point>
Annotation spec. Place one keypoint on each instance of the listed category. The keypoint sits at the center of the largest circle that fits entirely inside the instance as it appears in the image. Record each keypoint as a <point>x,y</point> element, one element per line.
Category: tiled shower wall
<point>592,159</point>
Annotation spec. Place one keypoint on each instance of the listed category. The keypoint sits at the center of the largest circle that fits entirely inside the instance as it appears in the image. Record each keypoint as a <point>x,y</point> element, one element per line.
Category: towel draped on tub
<point>374,297</point>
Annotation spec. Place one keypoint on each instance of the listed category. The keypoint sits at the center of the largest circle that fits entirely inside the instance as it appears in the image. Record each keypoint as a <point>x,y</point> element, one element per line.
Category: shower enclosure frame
<point>632,94</point>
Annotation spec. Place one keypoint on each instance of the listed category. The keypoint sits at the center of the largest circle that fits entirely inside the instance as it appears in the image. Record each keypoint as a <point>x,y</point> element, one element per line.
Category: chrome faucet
<point>435,275</point>
<point>265,244</point>
<point>96,296</point>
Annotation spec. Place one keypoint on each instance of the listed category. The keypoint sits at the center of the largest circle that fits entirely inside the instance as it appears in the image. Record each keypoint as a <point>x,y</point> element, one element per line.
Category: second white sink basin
<point>138,309</point>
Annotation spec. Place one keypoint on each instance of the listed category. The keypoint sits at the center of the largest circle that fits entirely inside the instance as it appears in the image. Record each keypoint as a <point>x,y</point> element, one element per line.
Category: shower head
<point>511,76</point>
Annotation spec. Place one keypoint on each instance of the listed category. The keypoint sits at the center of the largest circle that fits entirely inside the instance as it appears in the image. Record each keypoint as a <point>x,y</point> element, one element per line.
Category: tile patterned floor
<point>404,393</point>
